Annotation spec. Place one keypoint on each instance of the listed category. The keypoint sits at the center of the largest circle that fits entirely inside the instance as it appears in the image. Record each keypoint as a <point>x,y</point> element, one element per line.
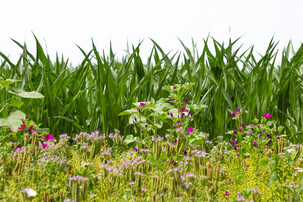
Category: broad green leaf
<point>13,121</point>
<point>4,83</point>
<point>16,103</point>
<point>24,94</point>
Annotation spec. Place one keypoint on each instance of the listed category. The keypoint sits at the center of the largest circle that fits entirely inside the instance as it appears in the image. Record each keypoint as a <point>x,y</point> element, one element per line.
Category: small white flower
<point>290,150</point>
<point>30,192</point>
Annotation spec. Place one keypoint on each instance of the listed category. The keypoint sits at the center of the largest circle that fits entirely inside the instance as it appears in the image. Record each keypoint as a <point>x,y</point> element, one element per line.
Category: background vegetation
<point>93,94</point>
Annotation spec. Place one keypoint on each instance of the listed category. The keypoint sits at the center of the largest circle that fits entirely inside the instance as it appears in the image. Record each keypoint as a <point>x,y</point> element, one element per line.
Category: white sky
<point>60,24</point>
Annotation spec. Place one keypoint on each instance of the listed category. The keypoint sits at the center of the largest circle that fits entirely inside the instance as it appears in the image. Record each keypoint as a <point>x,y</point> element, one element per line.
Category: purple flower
<point>174,87</point>
<point>247,166</point>
<point>186,99</point>
<point>278,138</point>
<point>188,113</point>
<point>251,125</point>
<point>240,130</point>
<point>256,144</point>
<point>171,114</point>
<point>185,152</point>
<point>243,124</point>
<point>261,152</point>
<point>171,100</point>
<point>175,141</point>
<point>235,132</point>
<point>135,149</point>
<point>268,135</point>
<point>235,147</point>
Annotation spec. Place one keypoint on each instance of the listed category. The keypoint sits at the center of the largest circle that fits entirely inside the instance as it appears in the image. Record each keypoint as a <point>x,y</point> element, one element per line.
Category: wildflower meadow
<point>222,125</point>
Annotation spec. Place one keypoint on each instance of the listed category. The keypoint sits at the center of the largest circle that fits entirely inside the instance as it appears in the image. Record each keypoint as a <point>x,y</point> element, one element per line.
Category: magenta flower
<point>233,141</point>
<point>243,124</point>
<point>256,144</point>
<point>19,146</point>
<point>247,166</point>
<point>227,193</point>
<point>32,128</point>
<point>171,100</point>
<point>45,146</point>
<point>184,109</point>
<point>185,152</point>
<point>13,145</point>
<point>189,130</point>
<point>171,114</point>
<point>48,137</point>
<point>235,147</point>
<point>235,132</point>
<point>240,130</point>
<point>22,127</point>
<point>142,104</point>
<point>267,116</point>
<point>135,149</point>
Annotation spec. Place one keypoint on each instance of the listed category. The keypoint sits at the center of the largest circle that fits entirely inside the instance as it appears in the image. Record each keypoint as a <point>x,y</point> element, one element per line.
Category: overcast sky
<point>60,24</point>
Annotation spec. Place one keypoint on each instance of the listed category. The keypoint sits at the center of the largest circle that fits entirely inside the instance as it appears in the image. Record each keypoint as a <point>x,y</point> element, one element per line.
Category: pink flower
<point>243,124</point>
<point>267,116</point>
<point>184,109</point>
<point>48,137</point>
<point>45,146</point>
<point>189,130</point>
<point>31,128</point>
<point>227,193</point>
<point>247,166</point>
<point>235,147</point>
<point>233,141</point>
<point>22,127</point>
<point>142,104</point>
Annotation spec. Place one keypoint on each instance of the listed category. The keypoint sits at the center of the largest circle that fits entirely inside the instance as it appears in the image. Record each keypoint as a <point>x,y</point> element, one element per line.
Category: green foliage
<point>92,94</point>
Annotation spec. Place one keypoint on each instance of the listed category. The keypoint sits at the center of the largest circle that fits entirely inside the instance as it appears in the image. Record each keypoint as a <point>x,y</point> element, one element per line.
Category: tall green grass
<point>91,95</point>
